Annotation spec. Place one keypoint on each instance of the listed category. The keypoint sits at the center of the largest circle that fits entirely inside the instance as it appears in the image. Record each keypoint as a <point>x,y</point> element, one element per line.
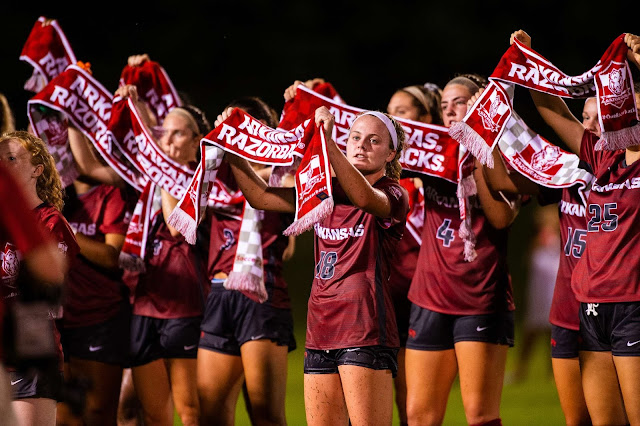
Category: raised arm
<point>88,161</point>
<point>499,178</point>
<point>553,109</point>
<point>360,191</point>
<point>498,211</point>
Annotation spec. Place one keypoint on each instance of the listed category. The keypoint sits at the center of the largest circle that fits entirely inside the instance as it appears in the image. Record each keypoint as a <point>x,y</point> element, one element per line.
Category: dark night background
<point>217,51</point>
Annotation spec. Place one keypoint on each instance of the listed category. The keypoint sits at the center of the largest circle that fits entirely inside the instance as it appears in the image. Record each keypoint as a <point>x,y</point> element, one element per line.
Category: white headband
<point>387,122</point>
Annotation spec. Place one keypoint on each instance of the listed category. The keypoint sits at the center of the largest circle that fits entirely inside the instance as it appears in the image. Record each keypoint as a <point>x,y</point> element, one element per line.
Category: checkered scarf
<point>610,80</point>
<point>539,160</point>
<point>76,96</point>
<point>48,52</point>
<point>245,136</point>
<point>147,210</point>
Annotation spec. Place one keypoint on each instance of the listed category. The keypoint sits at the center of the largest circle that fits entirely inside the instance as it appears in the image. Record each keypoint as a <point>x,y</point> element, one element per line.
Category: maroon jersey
<point>409,246</point>
<point>174,284</point>
<point>223,243</point>
<point>225,230</point>
<point>94,294</point>
<point>20,233</point>
<point>565,308</point>
<point>350,303</point>
<point>443,281</point>
<point>609,270</point>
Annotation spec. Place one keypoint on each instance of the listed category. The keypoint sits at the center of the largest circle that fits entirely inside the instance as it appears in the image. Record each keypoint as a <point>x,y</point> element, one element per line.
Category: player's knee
<point>419,414</point>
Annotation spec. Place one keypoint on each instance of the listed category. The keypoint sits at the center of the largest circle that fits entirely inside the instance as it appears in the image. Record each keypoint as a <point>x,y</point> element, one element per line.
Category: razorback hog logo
<point>615,88</point>
<point>310,176</point>
<point>492,114</point>
<point>10,262</point>
<point>545,158</point>
<point>55,130</point>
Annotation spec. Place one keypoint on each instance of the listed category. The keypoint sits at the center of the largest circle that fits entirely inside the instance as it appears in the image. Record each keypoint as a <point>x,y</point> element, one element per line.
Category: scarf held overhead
<point>76,96</point>
<point>48,52</point>
<point>609,80</point>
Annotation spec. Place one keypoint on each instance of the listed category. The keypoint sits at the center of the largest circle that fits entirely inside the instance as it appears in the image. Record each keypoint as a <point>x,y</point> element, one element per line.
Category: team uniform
<point>454,300</point>
<point>37,384</point>
<point>233,317</point>
<point>168,298</point>
<point>607,279</point>
<point>404,266</point>
<point>350,309</point>
<point>565,308</point>
<point>96,319</point>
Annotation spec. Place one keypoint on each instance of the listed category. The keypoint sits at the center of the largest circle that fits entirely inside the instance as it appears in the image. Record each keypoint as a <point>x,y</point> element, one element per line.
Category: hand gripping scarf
<point>48,52</point>
<point>154,87</point>
<point>429,151</point>
<point>610,80</point>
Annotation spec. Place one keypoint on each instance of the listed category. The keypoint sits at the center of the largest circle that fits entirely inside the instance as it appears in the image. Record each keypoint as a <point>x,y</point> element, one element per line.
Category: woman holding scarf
<point>606,287</point>
<point>35,390</point>
<point>418,103</point>
<point>352,337</point>
<point>461,320</point>
<point>244,343</point>
<point>168,296</point>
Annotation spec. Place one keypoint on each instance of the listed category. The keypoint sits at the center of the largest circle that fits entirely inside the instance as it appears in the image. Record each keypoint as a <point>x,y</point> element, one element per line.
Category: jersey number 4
<point>445,233</point>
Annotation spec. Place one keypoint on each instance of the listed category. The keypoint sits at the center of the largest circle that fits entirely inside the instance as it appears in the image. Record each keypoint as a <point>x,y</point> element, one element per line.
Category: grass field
<point>533,401</point>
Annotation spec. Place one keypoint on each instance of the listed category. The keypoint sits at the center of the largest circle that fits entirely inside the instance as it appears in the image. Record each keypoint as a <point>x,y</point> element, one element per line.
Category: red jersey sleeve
<point>116,218</point>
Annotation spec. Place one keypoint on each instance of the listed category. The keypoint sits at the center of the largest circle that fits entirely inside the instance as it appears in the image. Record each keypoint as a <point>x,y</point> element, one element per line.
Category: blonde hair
<point>48,185</point>
<point>7,121</point>
<point>393,168</point>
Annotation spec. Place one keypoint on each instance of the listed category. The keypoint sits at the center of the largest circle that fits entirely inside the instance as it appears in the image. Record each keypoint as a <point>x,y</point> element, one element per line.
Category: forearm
<point>256,191</point>
<point>498,212</point>
<point>98,253</point>
<point>555,112</point>
<point>499,178</point>
<point>89,163</point>
<point>168,204</point>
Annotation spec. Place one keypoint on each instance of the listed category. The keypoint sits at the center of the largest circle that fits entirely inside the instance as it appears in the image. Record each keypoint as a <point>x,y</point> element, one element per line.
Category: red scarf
<point>610,80</point>
<point>48,52</point>
<point>78,97</point>
<point>239,134</point>
<point>154,87</point>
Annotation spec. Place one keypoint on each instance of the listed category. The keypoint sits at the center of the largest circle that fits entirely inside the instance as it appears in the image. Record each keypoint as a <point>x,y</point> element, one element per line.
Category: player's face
<point>454,103</point>
<point>590,116</point>
<point>15,157</point>
<point>368,146</point>
<point>178,140</point>
<point>402,105</point>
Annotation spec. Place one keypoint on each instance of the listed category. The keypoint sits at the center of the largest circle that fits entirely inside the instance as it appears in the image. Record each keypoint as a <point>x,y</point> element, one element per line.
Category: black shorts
<point>564,342</point>
<point>318,361</point>
<point>155,338</point>
<point>34,383</point>
<point>402,308</point>
<point>433,331</point>
<point>610,327</point>
<point>231,319</point>
<point>107,342</point>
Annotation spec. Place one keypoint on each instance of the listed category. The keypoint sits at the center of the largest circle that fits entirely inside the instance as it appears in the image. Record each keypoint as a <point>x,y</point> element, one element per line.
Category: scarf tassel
<point>619,139</point>
<point>304,223</point>
<point>471,140</point>
<point>184,223</point>
<point>247,282</point>
<point>131,263</point>
<point>466,233</point>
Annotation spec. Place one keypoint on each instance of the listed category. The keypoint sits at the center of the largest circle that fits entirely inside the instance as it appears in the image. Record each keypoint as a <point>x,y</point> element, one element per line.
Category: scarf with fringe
<point>76,96</point>
<point>609,80</point>
<point>429,150</point>
<point>48,52</point>
<point>247,137</point>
